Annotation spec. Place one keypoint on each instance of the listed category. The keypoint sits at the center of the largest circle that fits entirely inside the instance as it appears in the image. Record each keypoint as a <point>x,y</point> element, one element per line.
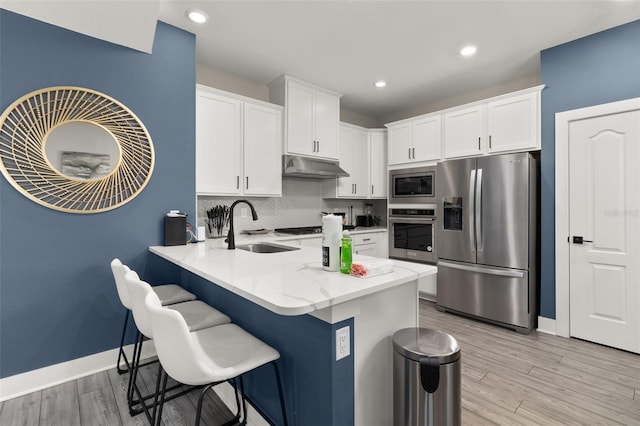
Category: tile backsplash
<point>301,204</point>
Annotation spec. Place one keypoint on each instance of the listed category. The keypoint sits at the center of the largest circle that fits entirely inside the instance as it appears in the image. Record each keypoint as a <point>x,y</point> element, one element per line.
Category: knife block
<point>175,230</point>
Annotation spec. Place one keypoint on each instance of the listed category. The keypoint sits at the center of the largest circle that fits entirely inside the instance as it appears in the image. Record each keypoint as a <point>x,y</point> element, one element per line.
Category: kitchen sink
<point>266,248</point>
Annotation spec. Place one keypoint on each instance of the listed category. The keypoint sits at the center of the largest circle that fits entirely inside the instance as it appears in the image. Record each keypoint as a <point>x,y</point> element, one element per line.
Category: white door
<point>604,210</point>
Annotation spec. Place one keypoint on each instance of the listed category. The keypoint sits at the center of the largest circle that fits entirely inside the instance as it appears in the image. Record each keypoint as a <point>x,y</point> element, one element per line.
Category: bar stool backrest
<point>138,290</point>
<point>119,270</point>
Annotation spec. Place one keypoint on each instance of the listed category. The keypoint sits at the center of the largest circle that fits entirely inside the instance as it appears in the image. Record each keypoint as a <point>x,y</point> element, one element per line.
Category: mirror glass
<point>82,150</point>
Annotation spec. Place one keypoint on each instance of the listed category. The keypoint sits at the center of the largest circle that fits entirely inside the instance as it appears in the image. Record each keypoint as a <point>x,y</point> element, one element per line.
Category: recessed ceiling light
<point>468,50</point>
<point>197,16</point>
<point>380,83</point>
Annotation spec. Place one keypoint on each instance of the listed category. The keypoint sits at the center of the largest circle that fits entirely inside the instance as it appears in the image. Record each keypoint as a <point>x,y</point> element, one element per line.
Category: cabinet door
<point>218,144</point>
<point>377,164</point>
<point>366,250</point>
<point>262,150</point>
<point>327,124</point>
<point>399,141</point>
<point>427,139</point>
<point>512,123</point>
<point>463,131</point>
<point>360,155</point>
<point>345,184</point>
<point>300,117</point>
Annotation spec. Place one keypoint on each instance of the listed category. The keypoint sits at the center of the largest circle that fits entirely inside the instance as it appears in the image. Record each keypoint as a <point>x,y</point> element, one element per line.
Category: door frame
<point>563,120</point>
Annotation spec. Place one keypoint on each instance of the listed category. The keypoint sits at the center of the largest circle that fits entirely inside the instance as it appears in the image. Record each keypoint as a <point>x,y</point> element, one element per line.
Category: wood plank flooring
<point>507,379</point>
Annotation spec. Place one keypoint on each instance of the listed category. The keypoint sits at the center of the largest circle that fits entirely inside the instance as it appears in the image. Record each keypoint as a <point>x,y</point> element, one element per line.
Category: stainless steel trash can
<point>426,378</point>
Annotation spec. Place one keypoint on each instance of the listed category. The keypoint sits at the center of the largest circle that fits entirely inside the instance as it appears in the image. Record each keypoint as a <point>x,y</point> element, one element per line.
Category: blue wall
<point>57,297</point>
<point>601,68</point>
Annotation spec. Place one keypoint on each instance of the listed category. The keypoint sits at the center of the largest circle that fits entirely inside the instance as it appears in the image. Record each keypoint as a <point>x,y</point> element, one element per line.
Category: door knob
<point>579,240</point>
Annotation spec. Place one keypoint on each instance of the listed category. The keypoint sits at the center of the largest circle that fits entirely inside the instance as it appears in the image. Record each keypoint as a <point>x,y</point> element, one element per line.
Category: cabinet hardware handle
<point>489,141</point>
<point>237,182</point>
<point>247,184</point>
<point>372,190</point>
<point>409,153</point>
<point>366,239</point>
<point>355,188</point>
<point>413,152</point>
<point>318,146</point>
<point>478,144</point>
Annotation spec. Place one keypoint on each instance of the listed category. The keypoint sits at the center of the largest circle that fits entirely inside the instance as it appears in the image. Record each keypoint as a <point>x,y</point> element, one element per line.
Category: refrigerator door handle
<point>478,209</point>
<point>491,271</point>
<point>471,209</point>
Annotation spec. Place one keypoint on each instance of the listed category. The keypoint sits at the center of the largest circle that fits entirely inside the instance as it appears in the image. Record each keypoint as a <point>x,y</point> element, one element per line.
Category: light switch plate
<point>343,342</point>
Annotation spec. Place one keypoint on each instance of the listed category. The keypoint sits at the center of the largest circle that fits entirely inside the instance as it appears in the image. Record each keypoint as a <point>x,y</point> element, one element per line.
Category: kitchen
<point>61,242</point>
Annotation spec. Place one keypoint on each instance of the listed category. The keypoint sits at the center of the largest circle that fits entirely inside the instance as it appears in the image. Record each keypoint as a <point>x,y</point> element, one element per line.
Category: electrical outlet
<point>343,343</point>
<point>243,212</point>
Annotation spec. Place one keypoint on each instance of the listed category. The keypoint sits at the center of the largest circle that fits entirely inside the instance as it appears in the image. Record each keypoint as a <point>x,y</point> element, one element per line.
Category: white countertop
<point>287,283</point>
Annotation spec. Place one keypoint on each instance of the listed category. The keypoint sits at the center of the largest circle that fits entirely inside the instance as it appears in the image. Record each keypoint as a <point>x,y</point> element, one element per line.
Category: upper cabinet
<point>513,123</point>
<point>415,140</point>
<point>238,145</point>
<point>354,159</point>
<point>505,123</point>
<point>363,156</point>
<point>377,163</point>
<point>312,117</point>
<point>463,131</point>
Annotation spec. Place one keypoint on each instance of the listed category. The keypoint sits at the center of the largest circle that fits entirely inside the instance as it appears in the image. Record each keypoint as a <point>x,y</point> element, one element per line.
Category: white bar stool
<point>206,357</point>
<point>168,294</point>
<point>197,314</point>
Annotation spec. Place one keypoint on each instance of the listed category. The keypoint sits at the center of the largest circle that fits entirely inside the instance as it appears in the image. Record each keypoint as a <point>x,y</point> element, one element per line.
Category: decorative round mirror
<point>74,149</point>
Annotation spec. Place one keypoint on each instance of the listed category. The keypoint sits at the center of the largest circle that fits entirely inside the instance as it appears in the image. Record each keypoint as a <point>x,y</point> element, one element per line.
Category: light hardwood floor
<point>507,379</point>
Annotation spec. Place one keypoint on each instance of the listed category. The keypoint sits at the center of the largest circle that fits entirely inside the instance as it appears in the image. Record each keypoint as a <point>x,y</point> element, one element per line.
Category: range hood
<point>293,165</point>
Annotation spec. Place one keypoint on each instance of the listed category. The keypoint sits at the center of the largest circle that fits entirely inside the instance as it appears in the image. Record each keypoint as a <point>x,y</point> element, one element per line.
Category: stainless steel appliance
<point>416,185</point>
<point>486,238</point>
<point>412,234</point>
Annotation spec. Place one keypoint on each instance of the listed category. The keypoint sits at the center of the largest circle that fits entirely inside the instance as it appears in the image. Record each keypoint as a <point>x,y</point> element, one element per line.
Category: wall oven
<point>412,234</point>
<point>416,185</point>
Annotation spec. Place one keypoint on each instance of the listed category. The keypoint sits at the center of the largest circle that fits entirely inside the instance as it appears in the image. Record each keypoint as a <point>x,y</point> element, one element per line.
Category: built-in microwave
<point>416,185</point>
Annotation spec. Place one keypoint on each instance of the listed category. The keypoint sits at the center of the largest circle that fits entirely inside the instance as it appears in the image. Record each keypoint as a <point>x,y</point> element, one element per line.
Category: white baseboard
<point>547,325</point>
<point>46,377</point>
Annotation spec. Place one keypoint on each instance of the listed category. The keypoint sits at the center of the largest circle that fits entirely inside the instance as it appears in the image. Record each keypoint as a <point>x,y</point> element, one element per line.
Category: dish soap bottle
<point>345,253</point>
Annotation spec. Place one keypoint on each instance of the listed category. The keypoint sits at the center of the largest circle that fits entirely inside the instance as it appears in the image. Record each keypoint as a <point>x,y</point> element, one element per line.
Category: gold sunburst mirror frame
<point>26,126</point>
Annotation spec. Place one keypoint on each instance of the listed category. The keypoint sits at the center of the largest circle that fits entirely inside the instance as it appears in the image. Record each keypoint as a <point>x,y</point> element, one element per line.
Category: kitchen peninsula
<point>288,300</point>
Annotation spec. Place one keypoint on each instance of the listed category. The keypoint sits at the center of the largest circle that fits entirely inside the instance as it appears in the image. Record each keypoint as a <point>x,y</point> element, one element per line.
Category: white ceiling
<point>347,45</point>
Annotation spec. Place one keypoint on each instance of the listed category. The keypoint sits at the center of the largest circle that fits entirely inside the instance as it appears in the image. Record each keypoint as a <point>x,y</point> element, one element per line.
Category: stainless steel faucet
<point>231,237</point>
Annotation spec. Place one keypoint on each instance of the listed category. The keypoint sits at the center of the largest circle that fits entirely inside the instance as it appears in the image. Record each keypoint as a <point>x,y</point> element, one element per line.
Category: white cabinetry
<point>312,117</point>
<point>377,163</point>
<point>363,156</point>
<point>507,123</point>
<point>354,159</point>
<point>371,244</point>
<point>414,140</point>
<point>463,131</point>
<point>238,145</point>
<point>365,244</point>
<point>513,123</point>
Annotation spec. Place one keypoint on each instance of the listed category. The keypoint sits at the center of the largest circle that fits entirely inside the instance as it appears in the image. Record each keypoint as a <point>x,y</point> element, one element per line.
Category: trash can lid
<point>415,343</point>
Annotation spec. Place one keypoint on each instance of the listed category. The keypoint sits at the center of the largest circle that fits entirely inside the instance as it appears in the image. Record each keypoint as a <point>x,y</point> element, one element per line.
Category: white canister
<point>331,235</point>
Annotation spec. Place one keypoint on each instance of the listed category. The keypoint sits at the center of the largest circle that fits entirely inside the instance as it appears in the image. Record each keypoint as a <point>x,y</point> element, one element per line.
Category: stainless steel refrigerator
<point>486,238</point>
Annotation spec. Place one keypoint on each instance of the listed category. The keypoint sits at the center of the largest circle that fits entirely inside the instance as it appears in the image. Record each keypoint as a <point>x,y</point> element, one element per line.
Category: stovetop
<point>305,230</point>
